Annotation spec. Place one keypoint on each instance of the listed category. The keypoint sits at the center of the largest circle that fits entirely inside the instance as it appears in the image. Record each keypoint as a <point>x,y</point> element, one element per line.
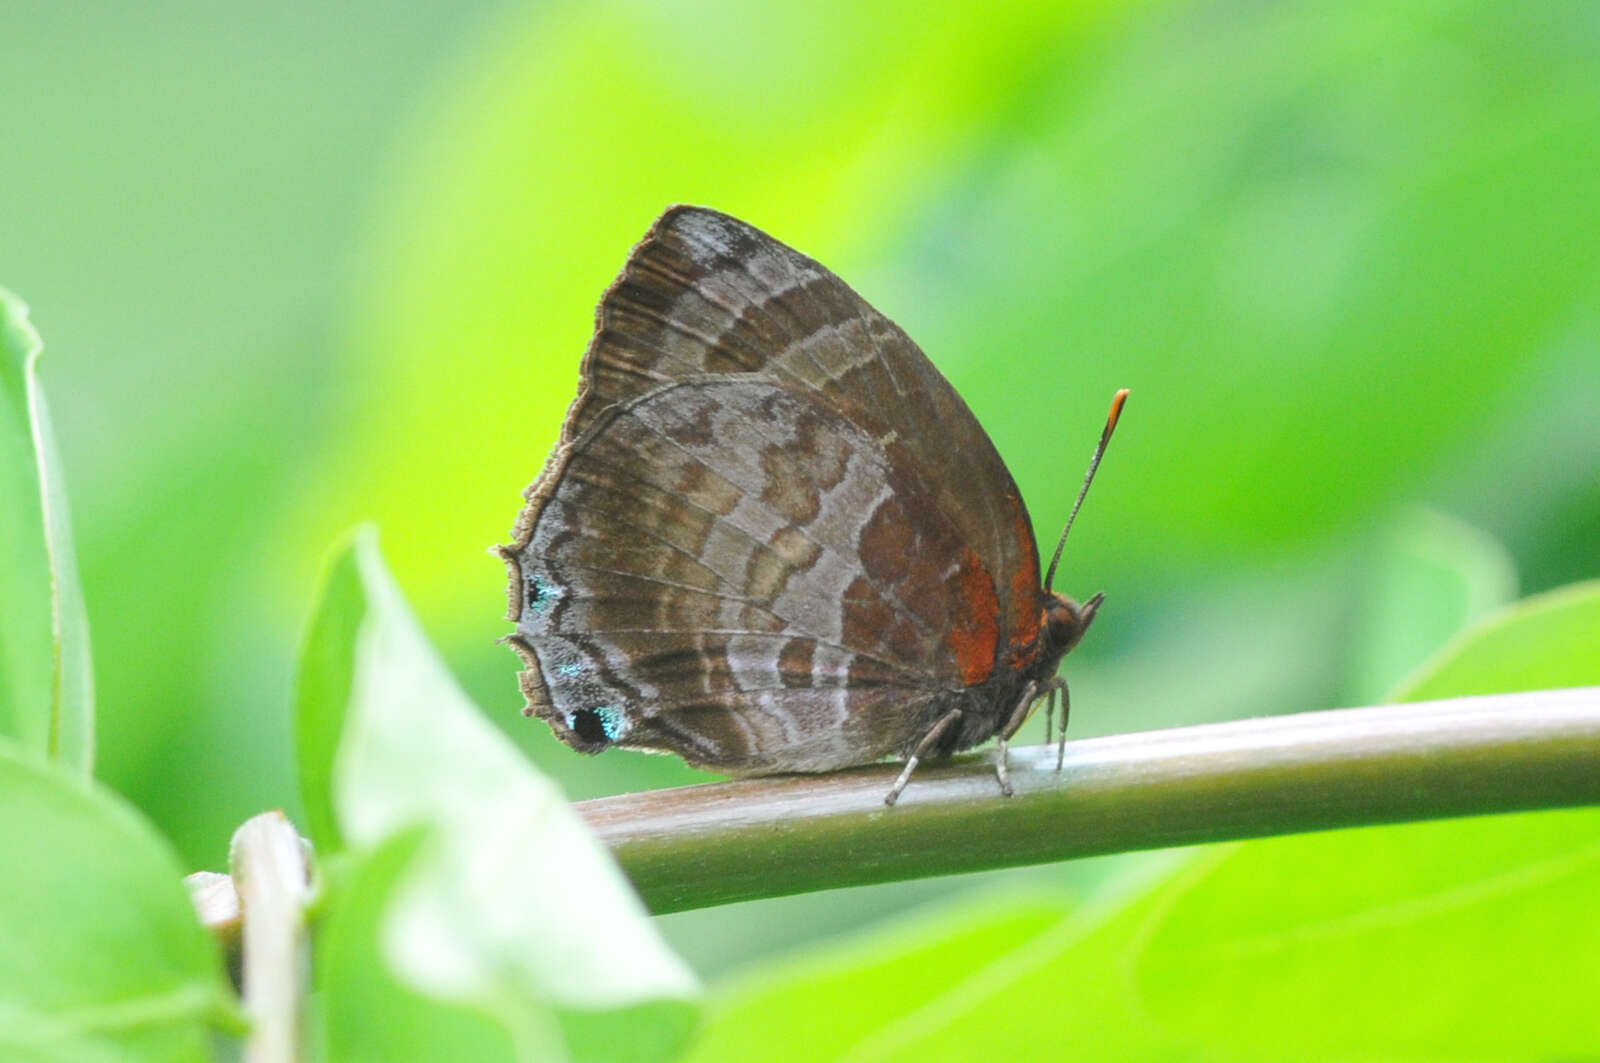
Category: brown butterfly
<point>771,537</point>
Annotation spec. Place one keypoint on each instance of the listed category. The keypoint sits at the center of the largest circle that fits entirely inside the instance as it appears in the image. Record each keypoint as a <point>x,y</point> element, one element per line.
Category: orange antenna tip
<point>1117,401</point>
<point>1116,410</point>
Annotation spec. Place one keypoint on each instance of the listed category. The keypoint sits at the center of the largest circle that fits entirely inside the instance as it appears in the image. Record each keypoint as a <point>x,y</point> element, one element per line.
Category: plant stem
<point>271,876</point>
<point>721,842</point>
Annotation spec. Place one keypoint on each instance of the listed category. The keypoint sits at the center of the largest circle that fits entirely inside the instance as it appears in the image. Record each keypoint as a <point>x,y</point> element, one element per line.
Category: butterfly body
<point>771,537</point>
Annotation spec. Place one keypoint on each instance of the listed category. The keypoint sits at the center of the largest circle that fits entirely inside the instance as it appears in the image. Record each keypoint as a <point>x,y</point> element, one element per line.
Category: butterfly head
<point>1065,621</point>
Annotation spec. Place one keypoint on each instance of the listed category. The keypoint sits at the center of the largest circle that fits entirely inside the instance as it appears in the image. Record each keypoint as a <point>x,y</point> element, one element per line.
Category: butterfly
<point>771,537</point>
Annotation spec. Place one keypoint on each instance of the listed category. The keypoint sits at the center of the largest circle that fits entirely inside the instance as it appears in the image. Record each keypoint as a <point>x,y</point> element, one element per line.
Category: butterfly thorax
<point>1062,623</point>
<point>986,707</point>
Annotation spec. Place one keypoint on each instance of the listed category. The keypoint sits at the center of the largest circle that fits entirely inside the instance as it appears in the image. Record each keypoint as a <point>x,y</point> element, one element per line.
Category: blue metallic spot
<point>540,594</point>
<point>569,670</point>
<point>612,721</point>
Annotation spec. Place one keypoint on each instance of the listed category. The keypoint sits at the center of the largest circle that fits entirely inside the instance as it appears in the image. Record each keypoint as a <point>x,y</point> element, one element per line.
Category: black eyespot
<point>588,725</point>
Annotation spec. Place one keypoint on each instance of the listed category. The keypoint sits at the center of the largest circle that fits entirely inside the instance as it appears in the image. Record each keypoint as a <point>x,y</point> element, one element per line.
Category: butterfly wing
<point>705,293</point>
<point>771,536</point>
<point>725,568</point>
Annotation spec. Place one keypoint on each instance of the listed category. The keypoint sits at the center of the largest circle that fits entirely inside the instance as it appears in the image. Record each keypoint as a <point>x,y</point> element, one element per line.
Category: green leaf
<point>324,672</point>
<point>1007,976</point>
<point>1470,939</point>
<point>1406,943</point>
<point>510,906</point>
<point>46,681</point>
<point>368,1014</point>
<point>1412,942</point>
<point>101,955</point>
<point>1547,641</point>
<point>865,988</point>
<point>1430,576</point>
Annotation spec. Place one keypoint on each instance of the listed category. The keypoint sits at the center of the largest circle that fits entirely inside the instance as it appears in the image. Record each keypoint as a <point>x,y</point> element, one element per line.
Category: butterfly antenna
<point>1094,463</point>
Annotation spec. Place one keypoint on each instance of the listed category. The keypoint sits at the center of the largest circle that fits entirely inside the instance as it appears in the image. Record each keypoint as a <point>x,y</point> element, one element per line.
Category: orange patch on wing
<point>973,639</point>
<point>1024,585</point>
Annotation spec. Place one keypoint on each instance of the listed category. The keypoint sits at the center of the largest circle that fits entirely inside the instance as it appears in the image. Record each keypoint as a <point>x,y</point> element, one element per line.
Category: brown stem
<point>712,844</point>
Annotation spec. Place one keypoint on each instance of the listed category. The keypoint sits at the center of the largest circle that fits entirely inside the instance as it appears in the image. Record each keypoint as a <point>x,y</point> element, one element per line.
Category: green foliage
<point>46,686</point>
<point>869,988</point>
<point>101,958</point>
<point>1396,943</point>
<point>1550,640</point>
<point>1429,578</point>
<point>500,903</point>
<point>368,1013</point>
<point>323,686</point>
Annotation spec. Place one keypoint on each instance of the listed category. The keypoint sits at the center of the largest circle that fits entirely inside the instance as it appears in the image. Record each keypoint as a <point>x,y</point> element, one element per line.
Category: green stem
<point>721,842</point>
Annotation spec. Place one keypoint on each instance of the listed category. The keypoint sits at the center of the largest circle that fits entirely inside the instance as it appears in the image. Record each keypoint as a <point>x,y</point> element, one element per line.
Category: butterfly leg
<point>1019,716</point>
<point>1066,704</point>
<point>922,747</point>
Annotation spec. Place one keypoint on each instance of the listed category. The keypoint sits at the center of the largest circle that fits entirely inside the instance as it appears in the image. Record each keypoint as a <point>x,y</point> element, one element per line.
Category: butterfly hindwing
<point>702,554</point>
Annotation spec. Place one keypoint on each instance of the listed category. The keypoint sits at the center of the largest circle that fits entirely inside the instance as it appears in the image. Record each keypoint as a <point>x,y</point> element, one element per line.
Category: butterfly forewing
<point>705,292</point>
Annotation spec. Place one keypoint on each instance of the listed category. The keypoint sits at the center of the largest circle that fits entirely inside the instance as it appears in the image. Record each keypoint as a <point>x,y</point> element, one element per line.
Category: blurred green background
<point>296,268</point>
